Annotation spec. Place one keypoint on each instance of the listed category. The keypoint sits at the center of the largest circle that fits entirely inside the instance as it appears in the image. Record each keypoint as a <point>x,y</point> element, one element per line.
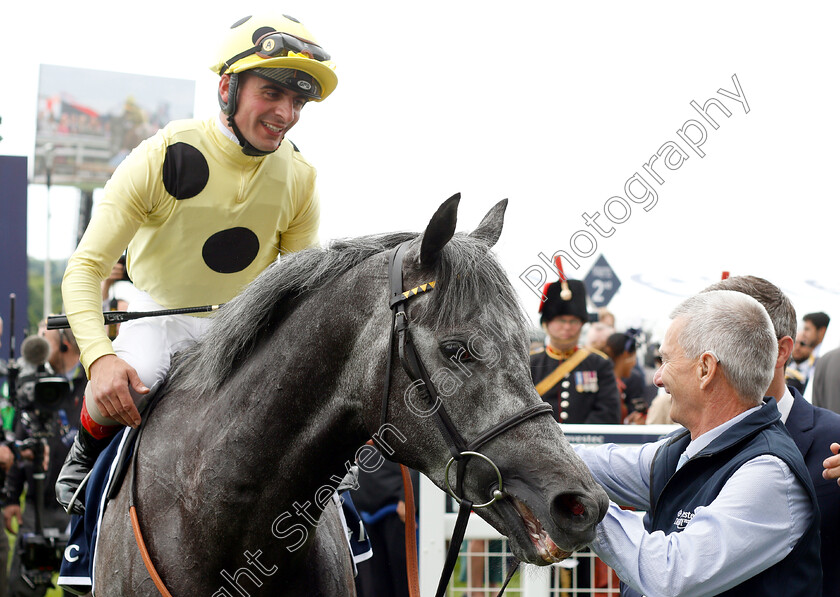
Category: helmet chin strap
<point>229,108</point>
<point>247,148</point>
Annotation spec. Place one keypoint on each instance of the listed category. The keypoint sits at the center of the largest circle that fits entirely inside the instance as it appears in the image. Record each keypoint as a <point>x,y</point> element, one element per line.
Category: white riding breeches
<point>147,344</point>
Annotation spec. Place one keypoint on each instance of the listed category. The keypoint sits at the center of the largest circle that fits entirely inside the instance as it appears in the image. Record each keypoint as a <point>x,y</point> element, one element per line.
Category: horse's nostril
<point>569,505</point>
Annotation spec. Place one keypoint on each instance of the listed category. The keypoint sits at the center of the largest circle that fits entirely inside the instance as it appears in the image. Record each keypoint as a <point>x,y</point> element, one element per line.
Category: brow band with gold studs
<point>418,289</point>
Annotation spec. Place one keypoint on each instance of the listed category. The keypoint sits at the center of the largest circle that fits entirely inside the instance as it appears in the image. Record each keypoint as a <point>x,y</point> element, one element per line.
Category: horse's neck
<point>267,448</point>
<point>294,413</point>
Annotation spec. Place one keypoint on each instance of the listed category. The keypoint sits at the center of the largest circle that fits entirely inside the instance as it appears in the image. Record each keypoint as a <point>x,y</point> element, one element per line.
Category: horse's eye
<point>453,349</point>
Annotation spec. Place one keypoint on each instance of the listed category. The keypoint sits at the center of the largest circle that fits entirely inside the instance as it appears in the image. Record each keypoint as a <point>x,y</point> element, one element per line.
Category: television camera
<point>38,397</point>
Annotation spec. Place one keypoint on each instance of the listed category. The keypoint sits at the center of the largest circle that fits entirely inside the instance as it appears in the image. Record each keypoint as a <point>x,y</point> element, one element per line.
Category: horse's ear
<point>490,228</point>
<point>440,229</point>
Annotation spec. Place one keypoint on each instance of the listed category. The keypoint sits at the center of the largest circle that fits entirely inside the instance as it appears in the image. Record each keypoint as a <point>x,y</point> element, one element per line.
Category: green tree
<point>35,275</point>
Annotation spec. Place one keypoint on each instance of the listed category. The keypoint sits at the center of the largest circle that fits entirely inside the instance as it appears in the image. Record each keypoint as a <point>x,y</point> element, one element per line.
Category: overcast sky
<point>553,105</point>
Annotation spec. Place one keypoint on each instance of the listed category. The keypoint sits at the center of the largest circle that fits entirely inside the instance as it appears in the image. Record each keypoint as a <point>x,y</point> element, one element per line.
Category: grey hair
<point>737,329</point>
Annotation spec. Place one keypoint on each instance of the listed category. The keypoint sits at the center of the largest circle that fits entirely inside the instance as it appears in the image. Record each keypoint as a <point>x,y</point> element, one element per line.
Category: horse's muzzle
<point>576,514</point>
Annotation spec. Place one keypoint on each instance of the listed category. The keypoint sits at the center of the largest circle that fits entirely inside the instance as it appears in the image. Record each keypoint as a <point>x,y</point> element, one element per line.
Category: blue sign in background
<point>13,188</point>
<point>601,283</point>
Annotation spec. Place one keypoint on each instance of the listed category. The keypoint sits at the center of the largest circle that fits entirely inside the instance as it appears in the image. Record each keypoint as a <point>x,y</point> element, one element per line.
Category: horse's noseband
<point>460,449</point>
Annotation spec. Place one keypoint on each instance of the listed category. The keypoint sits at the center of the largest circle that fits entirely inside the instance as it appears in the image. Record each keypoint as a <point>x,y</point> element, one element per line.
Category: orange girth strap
<point>144,553</point>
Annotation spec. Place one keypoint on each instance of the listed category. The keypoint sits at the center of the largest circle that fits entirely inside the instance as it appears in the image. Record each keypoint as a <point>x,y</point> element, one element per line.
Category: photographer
<point>7,459</point>
<point>64,361</point>
<point>54,354</point>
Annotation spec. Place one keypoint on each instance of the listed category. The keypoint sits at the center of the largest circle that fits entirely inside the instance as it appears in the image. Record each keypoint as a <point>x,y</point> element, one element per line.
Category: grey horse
<point>258,420</point>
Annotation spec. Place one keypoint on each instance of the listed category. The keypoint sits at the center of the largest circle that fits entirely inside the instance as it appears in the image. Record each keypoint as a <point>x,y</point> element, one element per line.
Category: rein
<point>460,449</point>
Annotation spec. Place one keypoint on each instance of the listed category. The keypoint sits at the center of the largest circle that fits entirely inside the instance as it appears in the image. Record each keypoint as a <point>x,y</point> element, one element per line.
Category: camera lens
<point>50,391</point>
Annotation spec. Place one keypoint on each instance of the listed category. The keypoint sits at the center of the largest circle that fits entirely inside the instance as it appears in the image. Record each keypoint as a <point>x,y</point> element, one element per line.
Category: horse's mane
<point>466,278</point>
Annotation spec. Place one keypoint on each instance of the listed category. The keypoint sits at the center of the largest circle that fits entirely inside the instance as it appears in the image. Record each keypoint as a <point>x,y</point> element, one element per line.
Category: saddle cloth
<point>76,574</point>
<point>79,562</point>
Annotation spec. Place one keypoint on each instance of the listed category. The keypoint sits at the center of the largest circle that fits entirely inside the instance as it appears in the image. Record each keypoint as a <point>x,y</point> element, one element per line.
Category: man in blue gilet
<point>730,507</point>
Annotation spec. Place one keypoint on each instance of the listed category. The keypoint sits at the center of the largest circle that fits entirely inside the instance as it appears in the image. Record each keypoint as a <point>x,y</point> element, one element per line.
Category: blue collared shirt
<point>754,522</point>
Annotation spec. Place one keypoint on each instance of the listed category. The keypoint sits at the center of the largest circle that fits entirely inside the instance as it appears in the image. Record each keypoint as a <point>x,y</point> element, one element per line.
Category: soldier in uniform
<point>577,382</point>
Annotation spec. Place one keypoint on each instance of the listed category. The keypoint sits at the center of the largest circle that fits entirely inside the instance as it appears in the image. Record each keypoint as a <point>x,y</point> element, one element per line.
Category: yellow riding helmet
<point>277,42</point>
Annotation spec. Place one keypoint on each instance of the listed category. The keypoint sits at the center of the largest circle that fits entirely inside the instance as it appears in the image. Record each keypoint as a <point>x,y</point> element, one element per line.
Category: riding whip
<point>57,322</point>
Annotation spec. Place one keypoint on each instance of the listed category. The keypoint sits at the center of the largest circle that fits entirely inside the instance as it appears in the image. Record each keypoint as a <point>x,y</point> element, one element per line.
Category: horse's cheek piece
<point>460,449</point>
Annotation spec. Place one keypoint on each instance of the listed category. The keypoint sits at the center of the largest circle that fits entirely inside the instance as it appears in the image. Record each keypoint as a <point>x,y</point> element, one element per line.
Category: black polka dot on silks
<point>231,250</point>
<point>185,171</point>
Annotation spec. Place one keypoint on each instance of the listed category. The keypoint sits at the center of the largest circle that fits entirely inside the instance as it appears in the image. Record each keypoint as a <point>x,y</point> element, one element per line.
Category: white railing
<point>436,525</point>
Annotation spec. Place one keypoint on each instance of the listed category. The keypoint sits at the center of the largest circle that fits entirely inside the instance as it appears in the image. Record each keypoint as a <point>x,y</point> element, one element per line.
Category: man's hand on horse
<point>110,379</point>
<point>832,464</point>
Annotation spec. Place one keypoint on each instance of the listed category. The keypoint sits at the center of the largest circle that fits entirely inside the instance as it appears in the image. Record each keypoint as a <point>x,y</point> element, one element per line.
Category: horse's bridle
<point>460,449</point>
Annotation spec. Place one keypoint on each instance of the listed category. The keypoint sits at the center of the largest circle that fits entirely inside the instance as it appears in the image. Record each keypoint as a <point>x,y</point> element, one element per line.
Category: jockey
<point>202,207</point>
